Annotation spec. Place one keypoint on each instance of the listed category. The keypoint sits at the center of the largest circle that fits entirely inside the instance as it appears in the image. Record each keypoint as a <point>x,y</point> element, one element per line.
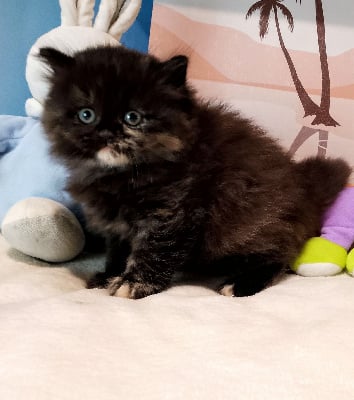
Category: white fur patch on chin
<point>111,158</point>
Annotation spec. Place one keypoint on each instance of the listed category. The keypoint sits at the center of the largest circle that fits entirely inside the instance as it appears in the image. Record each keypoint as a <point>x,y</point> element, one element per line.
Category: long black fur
<point>192,184</point>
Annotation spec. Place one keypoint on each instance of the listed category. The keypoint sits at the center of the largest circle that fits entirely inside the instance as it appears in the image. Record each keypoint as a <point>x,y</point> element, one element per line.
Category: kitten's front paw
<point>122,287</point>
<point>232,290</point>
<point>227,290</point>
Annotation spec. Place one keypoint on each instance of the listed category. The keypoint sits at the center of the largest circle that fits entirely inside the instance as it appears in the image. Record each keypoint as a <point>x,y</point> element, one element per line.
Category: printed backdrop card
<point>288,65</point>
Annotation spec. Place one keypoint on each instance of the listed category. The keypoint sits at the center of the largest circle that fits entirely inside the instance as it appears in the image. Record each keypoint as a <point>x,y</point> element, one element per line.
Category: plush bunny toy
<point>37,215</point>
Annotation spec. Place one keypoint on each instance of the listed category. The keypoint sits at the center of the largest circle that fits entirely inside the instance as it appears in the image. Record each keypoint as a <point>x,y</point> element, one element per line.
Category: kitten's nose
<point>106,135</point>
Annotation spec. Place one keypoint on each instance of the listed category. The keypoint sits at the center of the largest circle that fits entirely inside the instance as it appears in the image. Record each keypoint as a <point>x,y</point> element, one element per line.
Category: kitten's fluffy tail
<point>323,179</point>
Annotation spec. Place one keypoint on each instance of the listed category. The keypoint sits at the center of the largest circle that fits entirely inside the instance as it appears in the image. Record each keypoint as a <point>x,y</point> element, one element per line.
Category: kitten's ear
<point>55,58</point>
<point>175,70</point>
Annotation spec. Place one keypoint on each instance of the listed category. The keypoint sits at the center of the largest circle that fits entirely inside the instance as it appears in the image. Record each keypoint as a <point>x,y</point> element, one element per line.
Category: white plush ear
<point>116,16</point>
<point>85,12</point>
<point>105,13</point>
<point>126,17</point>
<point>69,13</point>
<point>77,12</point>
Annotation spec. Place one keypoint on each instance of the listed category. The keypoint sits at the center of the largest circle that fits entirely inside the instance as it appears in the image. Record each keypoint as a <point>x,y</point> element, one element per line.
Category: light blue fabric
<point>26,166</point>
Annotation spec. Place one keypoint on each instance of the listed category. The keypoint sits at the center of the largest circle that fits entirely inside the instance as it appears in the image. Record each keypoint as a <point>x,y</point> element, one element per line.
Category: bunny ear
<point>76,12</point>
<point>105,13</point>
<point>85,12</point>
<point>116,16</point>
<point>124,17</point>
<point>113,17</point>
<point>69,13</point>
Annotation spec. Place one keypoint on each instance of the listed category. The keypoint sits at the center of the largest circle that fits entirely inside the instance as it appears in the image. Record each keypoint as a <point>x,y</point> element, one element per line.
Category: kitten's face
<point>113,107</point>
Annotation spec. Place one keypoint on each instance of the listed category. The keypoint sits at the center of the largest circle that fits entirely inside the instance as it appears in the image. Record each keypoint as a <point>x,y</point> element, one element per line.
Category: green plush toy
<point>332,252</point>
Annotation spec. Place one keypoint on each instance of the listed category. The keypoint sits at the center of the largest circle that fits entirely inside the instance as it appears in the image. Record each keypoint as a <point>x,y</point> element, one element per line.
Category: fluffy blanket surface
<point>62,341</point>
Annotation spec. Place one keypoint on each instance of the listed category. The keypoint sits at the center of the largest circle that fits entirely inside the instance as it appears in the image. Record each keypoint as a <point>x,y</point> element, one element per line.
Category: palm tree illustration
<point>266,7</point>
<point>323,116</point>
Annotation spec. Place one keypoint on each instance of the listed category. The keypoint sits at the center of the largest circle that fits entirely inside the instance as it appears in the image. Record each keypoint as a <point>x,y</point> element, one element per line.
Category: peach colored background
<point>229,61</point>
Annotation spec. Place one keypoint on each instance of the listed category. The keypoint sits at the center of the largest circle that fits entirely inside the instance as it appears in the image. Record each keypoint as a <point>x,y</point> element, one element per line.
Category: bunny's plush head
<point>78,31</point>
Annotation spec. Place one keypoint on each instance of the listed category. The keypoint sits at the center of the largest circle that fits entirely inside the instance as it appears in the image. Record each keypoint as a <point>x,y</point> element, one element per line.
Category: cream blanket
<point>61,341</point>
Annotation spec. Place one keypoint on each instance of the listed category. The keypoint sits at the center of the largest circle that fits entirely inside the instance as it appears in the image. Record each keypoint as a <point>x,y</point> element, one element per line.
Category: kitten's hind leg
<point>117,253</point>
<point>250,275</point>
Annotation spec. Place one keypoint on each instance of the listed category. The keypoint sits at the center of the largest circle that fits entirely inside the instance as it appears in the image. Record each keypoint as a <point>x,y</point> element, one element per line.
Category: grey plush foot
<point>44,229</point>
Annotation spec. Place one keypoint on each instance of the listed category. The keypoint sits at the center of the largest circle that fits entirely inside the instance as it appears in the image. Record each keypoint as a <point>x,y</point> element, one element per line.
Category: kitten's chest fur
<point>124,203</point>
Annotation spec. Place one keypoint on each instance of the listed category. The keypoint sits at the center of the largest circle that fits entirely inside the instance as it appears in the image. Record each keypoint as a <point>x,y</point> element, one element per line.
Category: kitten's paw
<point>227,290</point>
<point>128,289</point>
<point>230,289</point>
<point>99,281</point>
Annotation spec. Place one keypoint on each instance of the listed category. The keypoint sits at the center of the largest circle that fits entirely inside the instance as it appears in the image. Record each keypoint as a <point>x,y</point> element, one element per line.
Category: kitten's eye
<point>132,118</point>
<point>86,116</point>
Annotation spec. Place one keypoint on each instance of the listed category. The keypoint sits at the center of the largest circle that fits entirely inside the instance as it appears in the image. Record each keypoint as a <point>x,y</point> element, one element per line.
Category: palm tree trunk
<point>322,143</point>
<point>305,133</point>
<point>310,107</point>
<point>323,117</point>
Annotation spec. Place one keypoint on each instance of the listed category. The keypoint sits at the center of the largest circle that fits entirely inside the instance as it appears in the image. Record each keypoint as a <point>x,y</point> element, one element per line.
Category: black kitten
<point>173,182</point>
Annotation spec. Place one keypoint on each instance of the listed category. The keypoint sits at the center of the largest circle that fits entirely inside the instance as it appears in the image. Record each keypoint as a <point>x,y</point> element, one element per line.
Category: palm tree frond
<point>287,14</point>
<point>263,28</point>
<point>264,20</point>
<point>254,7</point>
